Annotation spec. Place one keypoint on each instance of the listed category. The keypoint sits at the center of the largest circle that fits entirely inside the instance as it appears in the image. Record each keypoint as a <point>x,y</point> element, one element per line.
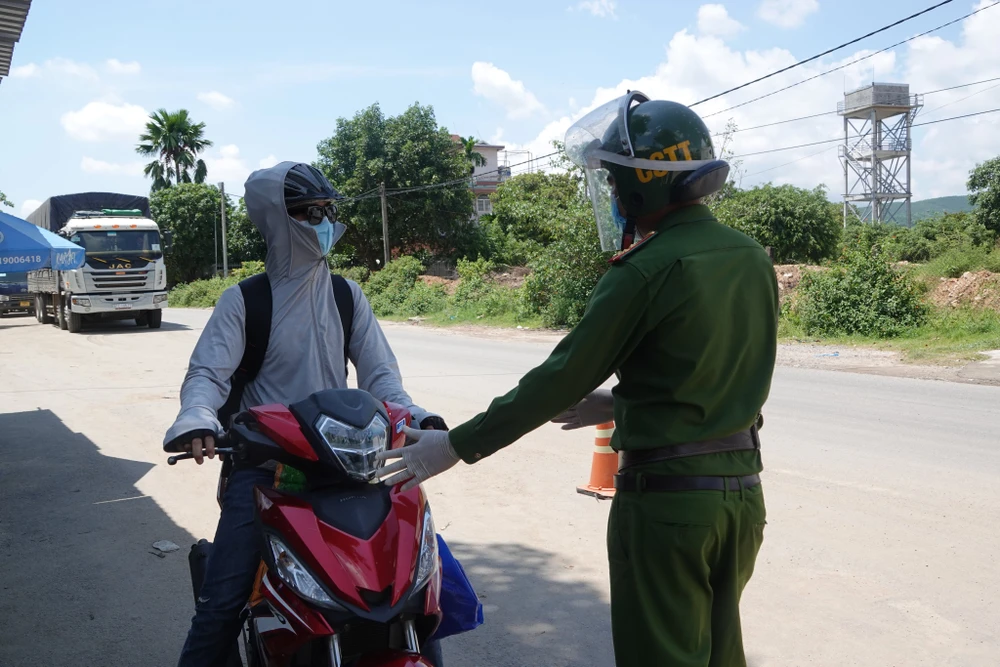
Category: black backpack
<point>257,327</point>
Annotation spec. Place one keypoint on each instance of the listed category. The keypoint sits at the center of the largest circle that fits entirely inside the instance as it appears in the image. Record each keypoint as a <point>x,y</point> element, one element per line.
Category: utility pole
<point>225,256</point>
<point>385,224</point>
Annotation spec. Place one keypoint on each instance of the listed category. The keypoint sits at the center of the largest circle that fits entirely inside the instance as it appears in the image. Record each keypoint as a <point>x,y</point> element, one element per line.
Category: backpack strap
<point>257,305</point>
<point>344,296</point>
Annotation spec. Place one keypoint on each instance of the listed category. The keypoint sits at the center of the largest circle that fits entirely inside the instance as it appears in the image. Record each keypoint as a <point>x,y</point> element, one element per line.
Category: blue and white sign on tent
<point>25,247</point>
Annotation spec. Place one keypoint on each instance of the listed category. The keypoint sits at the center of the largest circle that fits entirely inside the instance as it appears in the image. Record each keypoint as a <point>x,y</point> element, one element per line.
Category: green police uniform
<point>687,320</point>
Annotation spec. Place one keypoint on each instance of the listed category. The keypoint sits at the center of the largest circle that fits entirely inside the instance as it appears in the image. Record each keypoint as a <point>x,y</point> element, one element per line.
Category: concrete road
<point>880,548</point>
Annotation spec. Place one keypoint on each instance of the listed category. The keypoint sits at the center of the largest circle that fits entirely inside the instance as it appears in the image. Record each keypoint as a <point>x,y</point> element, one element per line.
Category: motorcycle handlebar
<point>180,457</point>
<point>223,445</point>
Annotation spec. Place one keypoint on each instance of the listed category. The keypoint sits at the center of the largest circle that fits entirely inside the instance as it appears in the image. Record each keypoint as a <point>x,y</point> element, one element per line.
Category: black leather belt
<point>744,440</point>
<point>638,481</point>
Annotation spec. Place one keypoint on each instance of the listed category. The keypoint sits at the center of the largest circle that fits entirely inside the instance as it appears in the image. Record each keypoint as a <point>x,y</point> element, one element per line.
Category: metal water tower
<point>876,151</point>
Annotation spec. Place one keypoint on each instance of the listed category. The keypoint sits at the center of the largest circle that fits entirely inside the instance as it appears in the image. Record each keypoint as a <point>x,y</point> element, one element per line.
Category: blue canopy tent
<point>25,247</point>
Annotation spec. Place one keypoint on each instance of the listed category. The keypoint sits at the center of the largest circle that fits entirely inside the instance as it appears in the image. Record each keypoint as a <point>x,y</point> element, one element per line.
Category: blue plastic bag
<point>460,606</point>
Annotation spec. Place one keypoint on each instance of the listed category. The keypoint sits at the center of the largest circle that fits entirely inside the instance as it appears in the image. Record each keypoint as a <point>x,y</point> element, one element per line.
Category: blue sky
<point>269,79</point>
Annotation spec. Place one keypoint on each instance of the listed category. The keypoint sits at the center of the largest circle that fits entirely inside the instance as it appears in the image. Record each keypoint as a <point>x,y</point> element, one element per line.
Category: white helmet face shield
<point>585,146</point>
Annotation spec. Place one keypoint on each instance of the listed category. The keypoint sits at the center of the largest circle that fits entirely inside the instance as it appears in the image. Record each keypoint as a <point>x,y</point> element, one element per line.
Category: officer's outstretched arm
<point>608,333</point>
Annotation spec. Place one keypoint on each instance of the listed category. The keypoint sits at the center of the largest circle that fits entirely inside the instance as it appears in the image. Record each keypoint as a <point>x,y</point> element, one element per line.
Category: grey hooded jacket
<point>306,349</point>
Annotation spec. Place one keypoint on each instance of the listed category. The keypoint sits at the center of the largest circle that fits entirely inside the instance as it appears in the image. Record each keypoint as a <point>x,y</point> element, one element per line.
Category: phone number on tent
<point>21,259</point>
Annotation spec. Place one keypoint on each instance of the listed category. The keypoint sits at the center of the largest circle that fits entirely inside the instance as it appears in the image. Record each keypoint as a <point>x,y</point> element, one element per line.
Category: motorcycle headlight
<point>295,575</point>
<point>428,563</point>
<point>355,448</point>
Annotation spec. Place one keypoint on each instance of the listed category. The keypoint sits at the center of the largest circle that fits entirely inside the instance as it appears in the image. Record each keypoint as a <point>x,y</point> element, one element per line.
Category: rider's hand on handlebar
<point>195,447</point>
<point>199,443</point>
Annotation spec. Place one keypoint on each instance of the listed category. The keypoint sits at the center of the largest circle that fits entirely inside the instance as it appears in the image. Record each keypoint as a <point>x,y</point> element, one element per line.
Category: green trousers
<point>679,563</point>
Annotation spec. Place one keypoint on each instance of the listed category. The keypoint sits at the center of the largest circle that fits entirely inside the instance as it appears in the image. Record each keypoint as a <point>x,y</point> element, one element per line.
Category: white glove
<point>431,454</point>
<point>598,407</point>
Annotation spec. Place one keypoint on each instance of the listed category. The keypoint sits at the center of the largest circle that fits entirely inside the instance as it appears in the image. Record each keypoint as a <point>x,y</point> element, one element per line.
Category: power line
<point>828,141</point>
<point>824,53</point>
<point>832,112</point>
<point>845,65</point>
<point>962,99</point>
<point>964,85</point>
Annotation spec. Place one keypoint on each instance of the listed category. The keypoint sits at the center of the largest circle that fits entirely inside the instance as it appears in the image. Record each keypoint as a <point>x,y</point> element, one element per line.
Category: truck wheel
<point>42,309</point>
<point>154,318</point>
<point>74,322</point>
<point>140,319</point>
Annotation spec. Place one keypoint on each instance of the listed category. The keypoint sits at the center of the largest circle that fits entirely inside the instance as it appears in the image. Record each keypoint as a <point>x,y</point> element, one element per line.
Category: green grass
<point>950,336</point>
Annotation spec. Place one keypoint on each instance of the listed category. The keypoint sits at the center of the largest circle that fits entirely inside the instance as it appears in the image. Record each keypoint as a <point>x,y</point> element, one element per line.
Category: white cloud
<point>697,66</point>
<point>29,206</point>
<point>599,8</point>
<point>715,20</point>
<point>25,72</point>
<point>216,100</point>
<point>227,166</point>
<point>497,86</point>
<point>268,162</point>
<point>59,68</point>
<point>116,66</point>
<point>70,69</point>
<point>92,166</point>
<point>100,121</point>
<point>787,13</point>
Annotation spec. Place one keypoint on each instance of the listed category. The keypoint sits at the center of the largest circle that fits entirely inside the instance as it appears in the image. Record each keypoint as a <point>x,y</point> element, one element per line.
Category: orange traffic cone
<point>603,467</point>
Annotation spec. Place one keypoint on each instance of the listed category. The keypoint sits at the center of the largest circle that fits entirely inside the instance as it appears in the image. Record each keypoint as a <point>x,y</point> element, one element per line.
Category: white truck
<point>124,276</point>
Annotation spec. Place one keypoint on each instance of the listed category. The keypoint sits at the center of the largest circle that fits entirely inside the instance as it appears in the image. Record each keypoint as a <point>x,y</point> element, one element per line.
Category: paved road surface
<point>880,548</point>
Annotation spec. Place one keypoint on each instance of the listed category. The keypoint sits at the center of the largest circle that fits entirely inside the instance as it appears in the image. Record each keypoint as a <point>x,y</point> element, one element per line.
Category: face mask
<point>325,232</point>
<point>616,215</point>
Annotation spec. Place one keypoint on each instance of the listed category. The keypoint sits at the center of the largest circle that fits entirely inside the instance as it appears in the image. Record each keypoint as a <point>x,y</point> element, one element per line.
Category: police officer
<point>686,318</point>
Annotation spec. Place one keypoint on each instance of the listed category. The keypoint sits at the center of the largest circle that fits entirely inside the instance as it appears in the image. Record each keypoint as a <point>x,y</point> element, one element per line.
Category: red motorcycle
<point>351,574</point>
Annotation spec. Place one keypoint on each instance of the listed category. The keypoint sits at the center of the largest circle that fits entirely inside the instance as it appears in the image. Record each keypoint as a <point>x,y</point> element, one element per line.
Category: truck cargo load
<point>55,212</point>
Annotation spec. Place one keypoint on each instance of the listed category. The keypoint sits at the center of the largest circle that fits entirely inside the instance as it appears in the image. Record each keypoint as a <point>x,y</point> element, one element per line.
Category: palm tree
<point>175,142</point>
<point>474,157</point>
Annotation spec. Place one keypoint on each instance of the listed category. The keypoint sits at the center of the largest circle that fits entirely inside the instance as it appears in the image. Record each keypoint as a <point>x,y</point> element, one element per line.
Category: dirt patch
<point>789,276</point>
<point>449,284</point>
<point>512,277</point>
<point>980,289</point>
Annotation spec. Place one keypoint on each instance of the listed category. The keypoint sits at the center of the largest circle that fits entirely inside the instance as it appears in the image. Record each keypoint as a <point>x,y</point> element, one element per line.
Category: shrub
<point>798,225</point>
<point>359,274</point>
<point>423,299</point>
<point>247,269</point>
<point>865,295</point>
<point>200,293</point>
<point>388,289</point>
<point>563,276</point>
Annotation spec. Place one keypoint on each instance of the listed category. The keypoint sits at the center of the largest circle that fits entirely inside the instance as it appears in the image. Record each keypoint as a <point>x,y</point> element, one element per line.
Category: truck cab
<point>123,277</point>
<point>14,295</point>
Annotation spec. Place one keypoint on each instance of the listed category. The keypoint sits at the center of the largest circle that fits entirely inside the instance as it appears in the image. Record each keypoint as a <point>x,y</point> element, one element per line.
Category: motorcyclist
<point>687,320</point>
<point>294,208</point>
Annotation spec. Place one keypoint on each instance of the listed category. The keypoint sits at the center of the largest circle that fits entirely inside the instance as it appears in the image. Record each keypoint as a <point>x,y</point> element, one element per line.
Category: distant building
<point>486,179</point>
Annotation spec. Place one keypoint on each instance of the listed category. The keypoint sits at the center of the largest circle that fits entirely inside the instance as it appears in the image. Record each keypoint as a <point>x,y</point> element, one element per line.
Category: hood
<point>293,249</point>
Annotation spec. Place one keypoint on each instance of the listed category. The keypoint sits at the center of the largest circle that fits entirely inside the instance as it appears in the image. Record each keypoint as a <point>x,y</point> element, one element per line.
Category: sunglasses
<point>315,214</point>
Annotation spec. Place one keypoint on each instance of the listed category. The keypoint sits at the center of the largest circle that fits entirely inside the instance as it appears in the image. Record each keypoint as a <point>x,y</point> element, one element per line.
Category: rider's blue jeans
<point>229,576</point>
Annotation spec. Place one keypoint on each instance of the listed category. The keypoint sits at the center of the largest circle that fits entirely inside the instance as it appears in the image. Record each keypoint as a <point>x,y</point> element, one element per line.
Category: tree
<point>175,141</point>
<point>532,211</point>
<point>245,244</point>
<point>984,193</point>
<point>190,211</point>
<point>405,151</point>
<point>799,225</point>
<point>474,157</point>
<point>5,201</point>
